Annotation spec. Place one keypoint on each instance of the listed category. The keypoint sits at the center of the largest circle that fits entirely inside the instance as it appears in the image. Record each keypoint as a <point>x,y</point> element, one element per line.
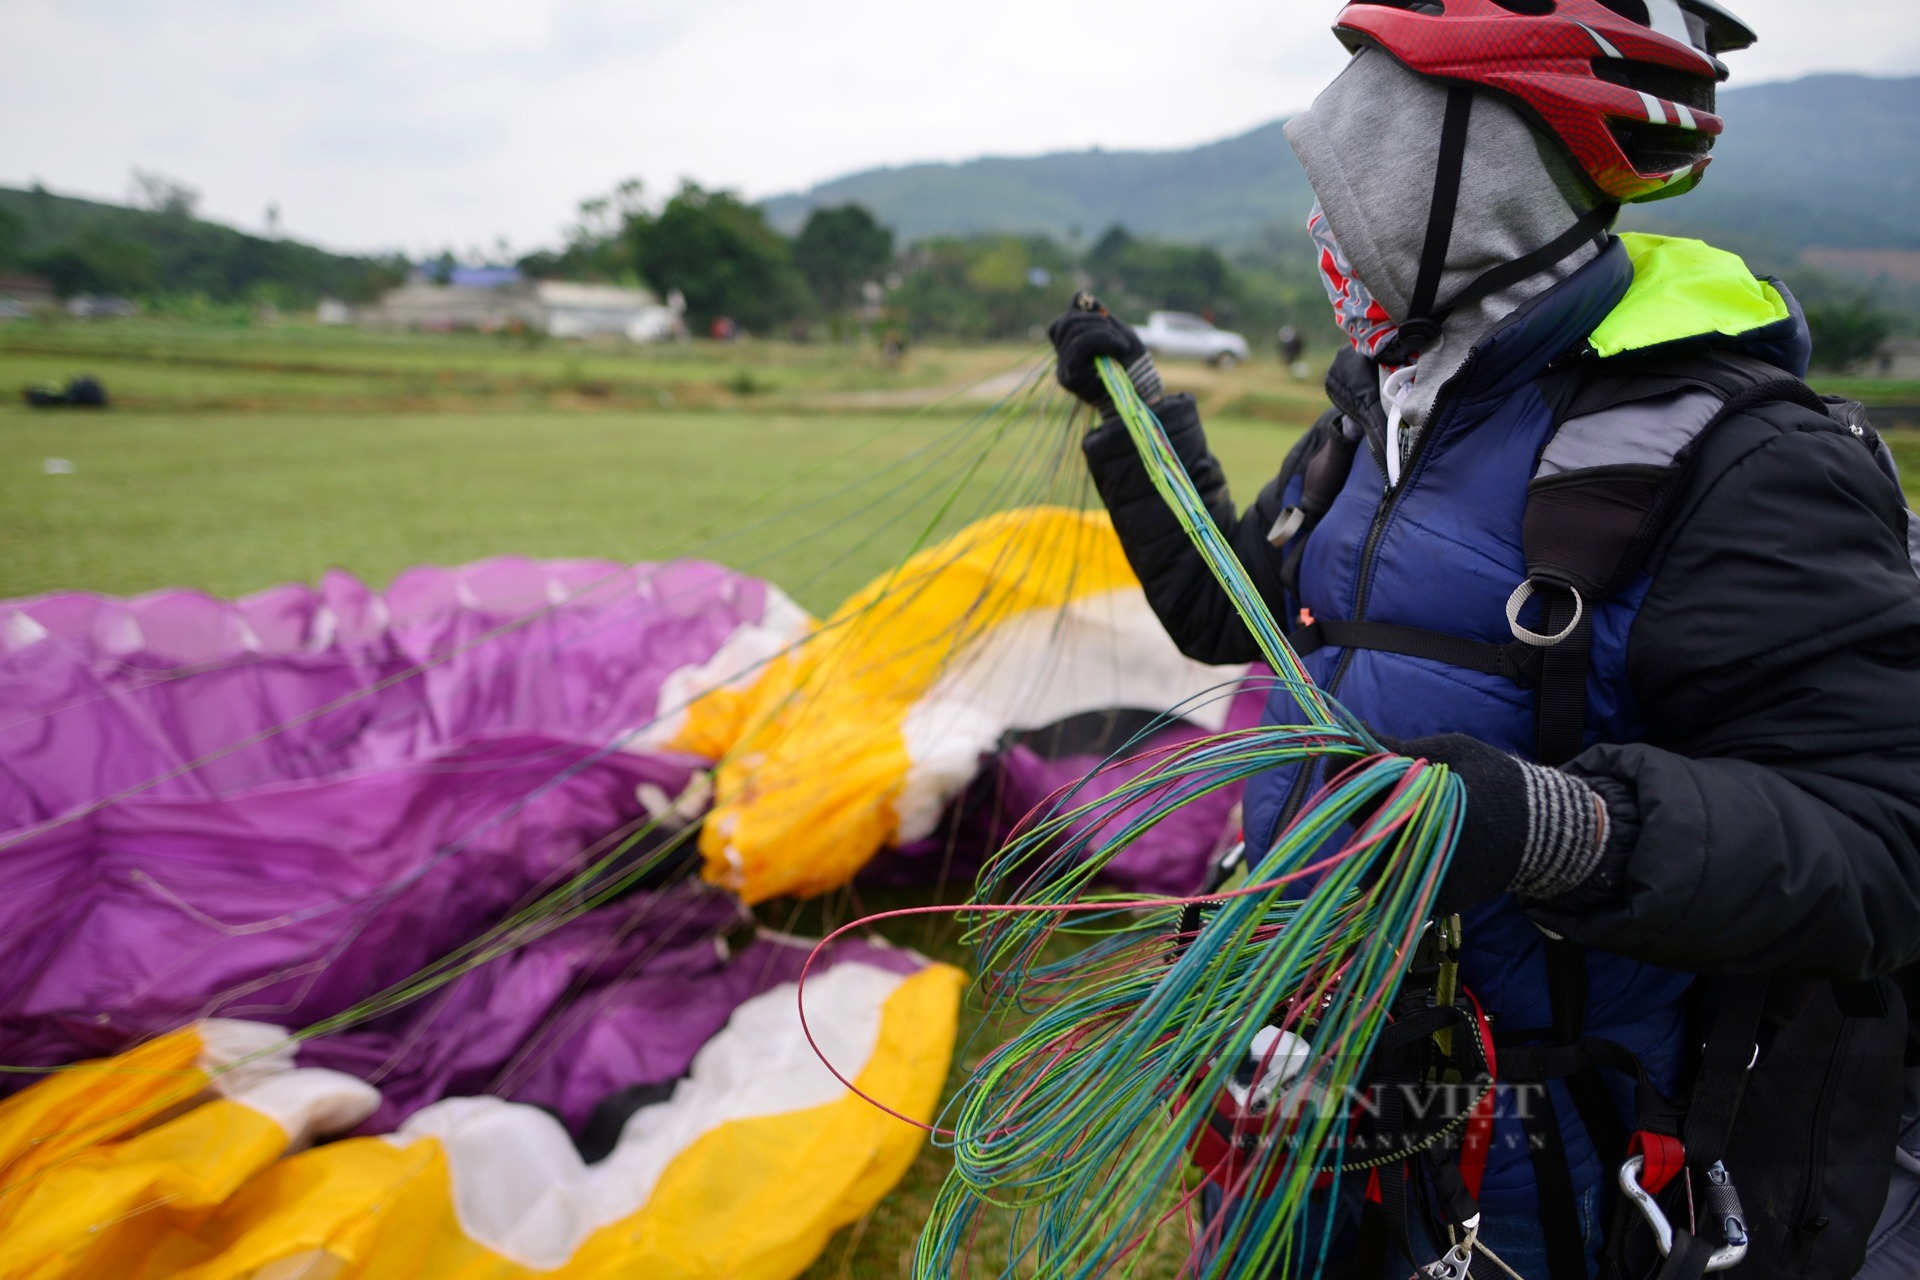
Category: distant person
<point>723,329</point>
<point>1291,344</point>
<point>1292,347</point>
<point>1576,529</point>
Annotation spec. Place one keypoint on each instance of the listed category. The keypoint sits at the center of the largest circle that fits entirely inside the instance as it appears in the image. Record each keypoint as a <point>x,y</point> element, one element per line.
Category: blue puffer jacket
<point>1444,554</point>
<point>1752,699</point>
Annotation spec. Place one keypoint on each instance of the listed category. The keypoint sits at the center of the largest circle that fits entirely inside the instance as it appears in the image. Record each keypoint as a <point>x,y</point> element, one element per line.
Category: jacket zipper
<point>1389,504</point>
<point>1810,1200</point>
<point>1369,549</point>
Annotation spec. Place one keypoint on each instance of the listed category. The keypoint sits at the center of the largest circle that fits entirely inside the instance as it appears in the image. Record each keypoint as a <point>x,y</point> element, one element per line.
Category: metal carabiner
<point>1457,1264</point>
<point>1722,1204</point>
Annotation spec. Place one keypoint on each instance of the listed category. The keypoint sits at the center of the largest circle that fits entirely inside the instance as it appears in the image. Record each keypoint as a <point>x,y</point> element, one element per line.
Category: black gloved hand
<point>1088,330</point>
<point>1530,830</point>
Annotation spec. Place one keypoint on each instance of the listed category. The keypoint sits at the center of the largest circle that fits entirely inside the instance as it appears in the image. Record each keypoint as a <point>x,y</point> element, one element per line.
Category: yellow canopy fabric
<point>859,736</point>
<point>746,1172</point>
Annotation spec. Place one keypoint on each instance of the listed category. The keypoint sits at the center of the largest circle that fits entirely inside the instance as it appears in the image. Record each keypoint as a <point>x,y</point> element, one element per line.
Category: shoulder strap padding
<point>1628,426</point>
<point>1648,432</point>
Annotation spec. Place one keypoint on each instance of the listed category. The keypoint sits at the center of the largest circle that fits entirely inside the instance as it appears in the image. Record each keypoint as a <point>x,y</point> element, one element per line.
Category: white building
<point>1898,358</point>
<point>557,307</point>
<point>422,303</point>
<point>585,310</point>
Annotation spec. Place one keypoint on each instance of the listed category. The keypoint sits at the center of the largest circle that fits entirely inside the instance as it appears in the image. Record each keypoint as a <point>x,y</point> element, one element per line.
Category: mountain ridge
<point>1826,160</point>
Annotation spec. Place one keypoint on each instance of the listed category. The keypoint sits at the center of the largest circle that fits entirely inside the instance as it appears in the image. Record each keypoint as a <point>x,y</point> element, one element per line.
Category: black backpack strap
<point>1515,661</point>
<point>1727,1055</point>
<point>1552,1172</point>
<point>1560,710</point>
<point>1600,497</point>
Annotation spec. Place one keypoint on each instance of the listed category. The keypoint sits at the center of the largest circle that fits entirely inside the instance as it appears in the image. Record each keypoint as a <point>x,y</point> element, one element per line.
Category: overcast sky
<point>419,124</point>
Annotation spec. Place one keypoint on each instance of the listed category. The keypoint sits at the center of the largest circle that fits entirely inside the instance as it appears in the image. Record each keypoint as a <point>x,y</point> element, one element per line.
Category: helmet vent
<point>1695,92</point>
<point>1531,8</point>
<point>1631,10</point>
<point>1661,148</point>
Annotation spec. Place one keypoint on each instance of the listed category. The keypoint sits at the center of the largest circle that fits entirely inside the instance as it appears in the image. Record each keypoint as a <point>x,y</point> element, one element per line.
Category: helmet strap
<point>1446,202</point>
<point>1424,319</point>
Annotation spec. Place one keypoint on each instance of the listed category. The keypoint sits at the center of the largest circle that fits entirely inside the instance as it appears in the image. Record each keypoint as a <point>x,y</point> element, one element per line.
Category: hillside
<point>1217,193</point>
<point>85,246</point>
<point>1828,160</point>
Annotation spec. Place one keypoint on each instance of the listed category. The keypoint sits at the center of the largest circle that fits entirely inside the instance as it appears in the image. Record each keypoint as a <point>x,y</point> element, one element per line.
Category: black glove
<point>1530,830</point>
<point>1088,330</point>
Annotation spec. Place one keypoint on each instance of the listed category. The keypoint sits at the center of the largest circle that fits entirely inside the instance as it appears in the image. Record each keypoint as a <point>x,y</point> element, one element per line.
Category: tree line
<point>843,270</point>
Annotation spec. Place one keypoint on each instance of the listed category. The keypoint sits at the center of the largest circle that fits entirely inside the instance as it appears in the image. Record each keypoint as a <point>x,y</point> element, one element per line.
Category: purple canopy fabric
<point>618,999</point>
<point>1033,775</point>
<point>274,808</point>
<point>298,821</point>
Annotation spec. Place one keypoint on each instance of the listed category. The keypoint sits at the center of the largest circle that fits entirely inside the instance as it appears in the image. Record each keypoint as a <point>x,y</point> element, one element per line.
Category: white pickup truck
<point>1177,335</point>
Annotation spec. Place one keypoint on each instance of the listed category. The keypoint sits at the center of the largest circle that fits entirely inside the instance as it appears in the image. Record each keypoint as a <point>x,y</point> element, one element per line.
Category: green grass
<point>232,503</point>
<point>158,365</point>
<point>231,459</point>
<point>1870,391</point>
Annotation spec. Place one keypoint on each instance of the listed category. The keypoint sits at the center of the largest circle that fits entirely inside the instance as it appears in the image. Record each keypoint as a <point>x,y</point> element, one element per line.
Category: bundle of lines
<point>1081,1125</point>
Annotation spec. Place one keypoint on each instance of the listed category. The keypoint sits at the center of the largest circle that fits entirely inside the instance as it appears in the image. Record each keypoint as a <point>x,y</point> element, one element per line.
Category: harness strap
<point>1388,1233</point>
<point>1602,1122</point>
<point>1552,1176</point>
<point>1513,661</point>
<point>1567,999</point>
<point>1689,1258</point>
<point>1561,707</point>
<point>1654,1112</point>
<point>1567,990</point>
<point>1724,1062</point>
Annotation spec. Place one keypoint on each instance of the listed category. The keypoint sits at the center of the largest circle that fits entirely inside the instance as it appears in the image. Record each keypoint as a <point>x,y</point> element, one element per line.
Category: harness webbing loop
<point>1514,661</point>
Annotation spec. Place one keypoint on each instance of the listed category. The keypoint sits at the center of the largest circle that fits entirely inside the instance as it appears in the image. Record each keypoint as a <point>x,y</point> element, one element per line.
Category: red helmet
<point>1626,85</point>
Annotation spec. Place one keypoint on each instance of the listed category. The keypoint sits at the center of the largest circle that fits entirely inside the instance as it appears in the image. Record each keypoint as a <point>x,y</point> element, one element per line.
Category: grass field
<point>235,458</point>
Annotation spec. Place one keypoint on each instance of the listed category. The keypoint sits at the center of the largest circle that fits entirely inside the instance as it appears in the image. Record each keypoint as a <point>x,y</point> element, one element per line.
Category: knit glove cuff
<point>1528,829</point>
<point>1567,832</point>
<point>1145,378</point>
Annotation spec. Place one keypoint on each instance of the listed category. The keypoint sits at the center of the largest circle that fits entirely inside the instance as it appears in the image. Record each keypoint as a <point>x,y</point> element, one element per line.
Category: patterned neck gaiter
<point>1368,326</point>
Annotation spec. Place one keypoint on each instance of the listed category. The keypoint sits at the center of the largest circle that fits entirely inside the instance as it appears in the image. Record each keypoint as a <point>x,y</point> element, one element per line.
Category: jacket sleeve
<point>1189,601</point>
<point>1772,816</point>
